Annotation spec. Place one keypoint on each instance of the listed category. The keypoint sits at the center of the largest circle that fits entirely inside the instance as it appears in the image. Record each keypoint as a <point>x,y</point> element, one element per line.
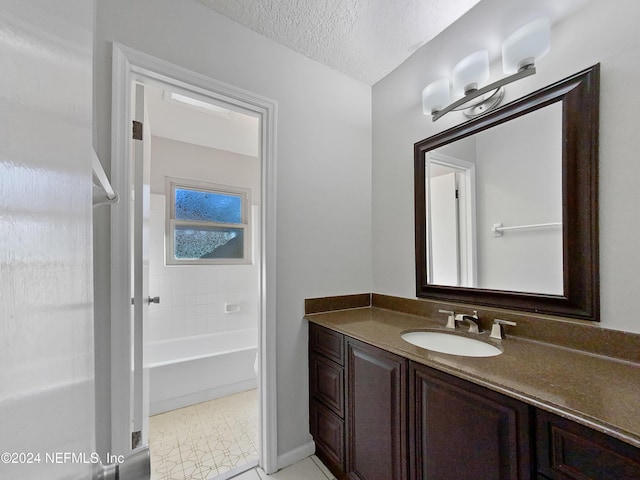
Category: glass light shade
<point>471,72</point>
<point>435,96</point>
<point>526,45</point>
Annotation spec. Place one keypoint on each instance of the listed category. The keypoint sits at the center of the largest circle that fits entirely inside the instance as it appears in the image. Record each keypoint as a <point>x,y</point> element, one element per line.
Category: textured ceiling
<point>364,39</point>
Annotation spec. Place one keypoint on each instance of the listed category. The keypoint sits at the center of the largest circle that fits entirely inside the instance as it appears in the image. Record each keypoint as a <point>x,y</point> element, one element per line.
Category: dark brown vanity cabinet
<point>376,413</point>
<point>461,431</point>
<point>361,430</point>
<point>569,451</point>
<point>326,395</point>
<point>376,416</point>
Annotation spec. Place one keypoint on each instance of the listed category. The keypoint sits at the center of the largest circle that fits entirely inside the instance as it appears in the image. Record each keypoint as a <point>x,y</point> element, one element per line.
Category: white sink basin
<point>451,343</point>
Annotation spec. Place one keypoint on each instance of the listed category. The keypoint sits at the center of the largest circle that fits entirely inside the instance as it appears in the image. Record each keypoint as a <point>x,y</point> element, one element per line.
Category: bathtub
<point>190,370</point>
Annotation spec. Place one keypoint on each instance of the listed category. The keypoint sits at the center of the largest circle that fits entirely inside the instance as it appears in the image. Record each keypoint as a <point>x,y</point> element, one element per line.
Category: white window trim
<point>170,221</point>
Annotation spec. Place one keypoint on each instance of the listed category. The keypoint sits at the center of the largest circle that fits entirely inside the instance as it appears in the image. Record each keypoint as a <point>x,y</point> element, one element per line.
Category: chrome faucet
<point>472,320</point>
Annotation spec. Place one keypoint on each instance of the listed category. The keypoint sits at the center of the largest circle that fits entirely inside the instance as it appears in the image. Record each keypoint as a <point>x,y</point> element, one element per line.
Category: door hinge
<point>136,439</point>
<point>457,194</point>
<point>137,130</point>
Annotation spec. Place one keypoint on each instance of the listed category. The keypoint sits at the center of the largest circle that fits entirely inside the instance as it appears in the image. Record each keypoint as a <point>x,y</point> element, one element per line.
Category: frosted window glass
<point>207,224</point>
<point>208,242</point>
<point>201,206</point>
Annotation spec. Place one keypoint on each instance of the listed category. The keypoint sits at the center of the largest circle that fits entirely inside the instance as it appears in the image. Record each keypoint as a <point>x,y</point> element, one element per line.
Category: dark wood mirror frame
<point>580,95</point>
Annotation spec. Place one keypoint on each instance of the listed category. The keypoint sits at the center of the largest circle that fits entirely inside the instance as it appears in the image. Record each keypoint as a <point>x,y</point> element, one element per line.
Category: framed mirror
<point>506,205</point>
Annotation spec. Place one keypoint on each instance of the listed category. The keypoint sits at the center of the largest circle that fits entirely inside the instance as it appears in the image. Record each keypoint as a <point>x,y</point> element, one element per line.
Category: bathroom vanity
<point>382,408</point>
<point>390,396</point>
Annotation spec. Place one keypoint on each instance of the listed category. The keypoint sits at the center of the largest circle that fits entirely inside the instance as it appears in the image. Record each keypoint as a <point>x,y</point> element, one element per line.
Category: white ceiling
<point>233,132</point>
<point>364,39</point>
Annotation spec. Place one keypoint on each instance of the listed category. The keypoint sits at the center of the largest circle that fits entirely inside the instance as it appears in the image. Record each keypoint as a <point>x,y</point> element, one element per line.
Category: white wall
<point>519,182</point>
<point>323,166</point>
<point>193,297</point>
<point>46,322</point>
<point>602,31</point>
<point>194,162</point>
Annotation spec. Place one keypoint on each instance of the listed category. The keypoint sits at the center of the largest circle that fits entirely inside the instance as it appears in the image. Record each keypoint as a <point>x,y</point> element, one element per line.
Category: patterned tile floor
<point>205,440</point>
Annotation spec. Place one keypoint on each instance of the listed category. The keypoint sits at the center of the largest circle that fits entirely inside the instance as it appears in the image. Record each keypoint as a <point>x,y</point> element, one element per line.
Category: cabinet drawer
<point>327,383</point>
<point>327,343</point>
<point>328,432</point>
<point>567,450</point>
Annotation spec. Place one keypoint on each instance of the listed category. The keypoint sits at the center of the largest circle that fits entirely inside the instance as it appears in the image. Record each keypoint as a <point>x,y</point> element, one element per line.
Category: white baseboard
<point>169,404</point>
<point>296,455</point>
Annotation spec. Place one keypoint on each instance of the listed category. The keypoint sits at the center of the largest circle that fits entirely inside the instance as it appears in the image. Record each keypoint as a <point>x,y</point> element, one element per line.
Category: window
<point>207,223</point>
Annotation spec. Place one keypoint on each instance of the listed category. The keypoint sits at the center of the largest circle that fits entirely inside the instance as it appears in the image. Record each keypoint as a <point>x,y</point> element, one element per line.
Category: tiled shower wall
<point>192,298</point>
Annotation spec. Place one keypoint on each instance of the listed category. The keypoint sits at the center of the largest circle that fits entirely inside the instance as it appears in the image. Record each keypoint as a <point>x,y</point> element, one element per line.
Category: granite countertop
<point>594,390</point>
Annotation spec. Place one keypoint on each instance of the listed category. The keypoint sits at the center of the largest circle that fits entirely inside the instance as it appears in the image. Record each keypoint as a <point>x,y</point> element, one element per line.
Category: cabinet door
<point>568,451</point>
<point>376,417</point>
<point>462,431</point>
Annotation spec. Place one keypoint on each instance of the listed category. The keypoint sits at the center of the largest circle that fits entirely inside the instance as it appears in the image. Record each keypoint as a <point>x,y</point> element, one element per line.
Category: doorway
<point>200,340</point>
<point>451,220</point>
<point>130,399</point>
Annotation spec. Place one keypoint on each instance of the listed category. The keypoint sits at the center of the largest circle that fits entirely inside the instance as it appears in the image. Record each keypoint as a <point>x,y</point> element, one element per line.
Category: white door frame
<point>468,202</point>
<point>129,65</point>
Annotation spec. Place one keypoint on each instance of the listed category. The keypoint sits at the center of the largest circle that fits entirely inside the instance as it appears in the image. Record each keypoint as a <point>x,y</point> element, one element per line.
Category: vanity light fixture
<point>519,54</point>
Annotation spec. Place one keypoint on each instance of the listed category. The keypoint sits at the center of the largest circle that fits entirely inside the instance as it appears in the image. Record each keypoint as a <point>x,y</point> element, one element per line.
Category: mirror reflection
<point>494,207</point>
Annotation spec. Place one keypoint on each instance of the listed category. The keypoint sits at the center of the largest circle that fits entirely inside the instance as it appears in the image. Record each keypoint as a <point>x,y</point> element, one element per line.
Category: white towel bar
<point>103,182</point>
<point>498,228</point>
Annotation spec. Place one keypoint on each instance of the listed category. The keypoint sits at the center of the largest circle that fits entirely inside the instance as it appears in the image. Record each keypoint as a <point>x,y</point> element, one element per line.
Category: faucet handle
<point>496,329</point>
<point>451,323</point>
